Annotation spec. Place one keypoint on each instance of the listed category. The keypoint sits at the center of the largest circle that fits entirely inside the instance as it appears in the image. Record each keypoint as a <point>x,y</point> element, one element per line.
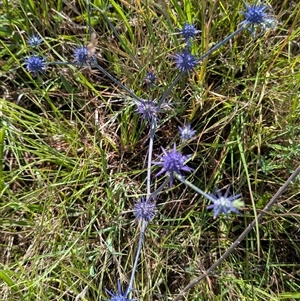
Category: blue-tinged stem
<point>218,45</point>
<point>167,92</point>
<point>184,181</point>
<point>160,188</point>
<point>106,73</point>
<point>61,63</point>
<point>150,150</point>
<point>117,82</point>
<point>137,255</point>
<point>201,58</point>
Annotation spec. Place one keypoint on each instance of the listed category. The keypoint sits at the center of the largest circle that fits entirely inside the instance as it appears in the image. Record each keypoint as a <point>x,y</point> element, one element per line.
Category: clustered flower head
<point>257,15</point>
<point>148,109</point>
<point>225,203</point>
<point>186,132</point>
<point>81,55</point>
<point>172,162</point>
<point>189,31</point>
<point>119,296</point>
<point>34,40</point>
<point>185,61</point>
<point>35,64</point>
<point>150,78</point>
<point>144,209</point>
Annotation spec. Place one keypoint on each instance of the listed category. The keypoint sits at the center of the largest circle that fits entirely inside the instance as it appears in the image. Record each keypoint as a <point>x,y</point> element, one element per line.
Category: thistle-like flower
<point>119,296</point>
<point>189,31</point>
<point>185,61</point>
<point>144,210</point>
<point>150,79</point>
<point>81,55</point>
<point>172,162</point>
<point>186,132</point>
<point>147,108</point>
<point>257,15</point>
<point>35,64</point>
<point>225,203</point>
<point>34,40</point>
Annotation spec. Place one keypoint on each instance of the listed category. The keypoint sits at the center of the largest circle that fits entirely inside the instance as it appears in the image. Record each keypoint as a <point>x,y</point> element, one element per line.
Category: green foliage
<point>72,152</point>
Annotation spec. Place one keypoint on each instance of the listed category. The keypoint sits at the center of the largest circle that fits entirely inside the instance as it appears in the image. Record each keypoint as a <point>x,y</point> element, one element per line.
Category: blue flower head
<point>144,210</point>
<point>150,79</point>
<point>34,40</point>
<point>148,109</point>
<point>225,203</point>
<point>35,64</point>
<point>185,61</point>
<point>257,15</point>
<point>172,162</point>
<point>81,55</point>
<point>119,296</point>
<point>186,132</point>
<point>189,31</point>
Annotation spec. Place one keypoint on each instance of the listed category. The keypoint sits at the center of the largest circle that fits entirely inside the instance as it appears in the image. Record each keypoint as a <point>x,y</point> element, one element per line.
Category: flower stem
<point>117,82</point>
<point>150,150</point>
<point>218,45</point>
<point>184,181</point>
<point>137,255</point>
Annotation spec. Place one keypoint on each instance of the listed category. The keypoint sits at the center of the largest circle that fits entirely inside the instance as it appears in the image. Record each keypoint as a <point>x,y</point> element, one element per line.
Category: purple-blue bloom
<point>189,30</point>
<point>119,296</point>
<point>35,64</point>
<point>225,203</point>
<point>147,108</point>
<point>144,210</point>
<point>81,55</point>
<point>150,78</point>
<point>172,162</point>
<point>185,61</point>
<point>34,40</point>
<point>257,15</point>
<point>186,132</point>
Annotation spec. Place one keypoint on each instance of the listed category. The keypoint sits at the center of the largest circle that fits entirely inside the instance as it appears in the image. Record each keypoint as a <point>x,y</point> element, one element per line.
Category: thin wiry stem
<point>184,181</point>
<point>150,150</point>
<point>160,188</point>
<point>61,63</point>
<point>218,45</point>
<point>167,92</point>
<point>137,255</point>
<point>117,82</point>
<point>242,236</point>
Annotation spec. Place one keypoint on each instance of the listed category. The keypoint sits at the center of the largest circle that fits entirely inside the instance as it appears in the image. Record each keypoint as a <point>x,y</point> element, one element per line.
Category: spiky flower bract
<point>81,55</point>
<point>35,64</point>
<point>185,61</point>
<point>119,296</point>
<point>34,40</point>
<point>147,108</point>
<point>150,79</point>
<point>189,31</point>
<point>257,15</point>
<point>144,210</point>
<point>186,132</point>
<point>225,203</point>
<point>172,162</point>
